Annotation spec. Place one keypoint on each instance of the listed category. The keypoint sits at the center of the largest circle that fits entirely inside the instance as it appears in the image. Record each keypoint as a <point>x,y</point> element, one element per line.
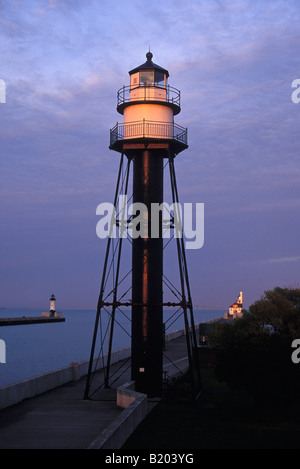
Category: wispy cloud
<point>276,260</point>
<point>284,259</point>
<point>233,62</point>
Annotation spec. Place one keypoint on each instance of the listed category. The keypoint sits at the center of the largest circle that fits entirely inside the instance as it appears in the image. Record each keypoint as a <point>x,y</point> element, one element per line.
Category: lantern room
<point>149,83</point>
<point>149,74</point>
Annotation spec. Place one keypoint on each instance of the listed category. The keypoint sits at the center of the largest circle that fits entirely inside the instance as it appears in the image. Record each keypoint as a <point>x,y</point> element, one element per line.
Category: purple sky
<point>63,62</point>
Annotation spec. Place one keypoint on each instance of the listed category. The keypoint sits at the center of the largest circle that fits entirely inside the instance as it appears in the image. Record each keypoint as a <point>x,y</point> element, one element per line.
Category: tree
<point>255,350</point>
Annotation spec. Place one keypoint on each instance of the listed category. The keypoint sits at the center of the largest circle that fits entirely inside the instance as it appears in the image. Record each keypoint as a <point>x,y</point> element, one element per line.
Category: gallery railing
<point>153,92</point>
<point>148,129</point>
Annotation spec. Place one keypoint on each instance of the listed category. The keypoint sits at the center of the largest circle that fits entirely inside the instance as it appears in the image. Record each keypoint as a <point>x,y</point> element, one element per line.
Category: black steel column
<point>147,271</point>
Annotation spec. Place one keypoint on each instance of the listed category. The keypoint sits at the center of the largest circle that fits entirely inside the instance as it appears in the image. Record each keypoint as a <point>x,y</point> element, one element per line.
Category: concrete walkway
<point>62,419</point>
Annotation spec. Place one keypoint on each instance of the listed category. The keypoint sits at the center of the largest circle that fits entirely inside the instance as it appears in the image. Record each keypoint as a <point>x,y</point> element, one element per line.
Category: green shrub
<point>255,350</point>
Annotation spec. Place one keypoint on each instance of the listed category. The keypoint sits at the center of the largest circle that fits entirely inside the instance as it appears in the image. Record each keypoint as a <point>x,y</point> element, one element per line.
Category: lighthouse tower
<point>52,304</point>
<point>148,138</point>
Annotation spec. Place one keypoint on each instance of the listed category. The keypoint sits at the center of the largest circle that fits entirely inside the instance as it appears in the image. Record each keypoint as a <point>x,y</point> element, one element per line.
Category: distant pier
<point>23,320</point>
<point>46,317</point>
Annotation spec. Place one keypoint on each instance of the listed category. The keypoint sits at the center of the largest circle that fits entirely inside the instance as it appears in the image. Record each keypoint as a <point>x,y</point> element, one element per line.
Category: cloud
<point>284,259</point>
<point>278,260</point>
<point>234,63</point>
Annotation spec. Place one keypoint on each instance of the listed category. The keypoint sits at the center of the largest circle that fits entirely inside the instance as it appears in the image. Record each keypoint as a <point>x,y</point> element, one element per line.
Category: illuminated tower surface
<point>148,106</point>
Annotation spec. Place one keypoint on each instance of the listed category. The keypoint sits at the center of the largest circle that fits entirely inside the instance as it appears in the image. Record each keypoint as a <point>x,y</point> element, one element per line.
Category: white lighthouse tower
<point>149,84</point>
<point>148,106</point>
<point>52,304</point>
<point>52,313</point>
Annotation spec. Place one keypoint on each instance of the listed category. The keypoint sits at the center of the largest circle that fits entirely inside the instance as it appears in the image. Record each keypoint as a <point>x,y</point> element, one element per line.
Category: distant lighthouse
<point>236,309</point>
<point>53,314</point>
<point>52,304</point>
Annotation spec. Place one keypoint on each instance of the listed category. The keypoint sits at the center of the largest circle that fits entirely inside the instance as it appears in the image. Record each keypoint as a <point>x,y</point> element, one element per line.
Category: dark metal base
<point>147,279</point>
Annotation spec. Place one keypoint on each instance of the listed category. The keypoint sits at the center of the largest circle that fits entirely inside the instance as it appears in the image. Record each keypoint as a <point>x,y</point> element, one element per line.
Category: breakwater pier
<point>48,411</point>
<point>23,320</point>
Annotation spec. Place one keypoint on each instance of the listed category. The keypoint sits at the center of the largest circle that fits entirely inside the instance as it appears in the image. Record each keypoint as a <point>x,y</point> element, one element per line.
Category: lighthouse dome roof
<point>149,65</point>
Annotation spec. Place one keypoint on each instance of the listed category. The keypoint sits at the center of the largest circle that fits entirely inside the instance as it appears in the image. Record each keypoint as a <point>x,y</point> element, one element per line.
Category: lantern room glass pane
<point>159,78</point>
<point>147,77</point>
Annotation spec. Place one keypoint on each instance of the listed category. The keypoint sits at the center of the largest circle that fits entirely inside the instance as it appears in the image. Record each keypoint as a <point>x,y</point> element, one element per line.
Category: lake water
<point>39,348</point>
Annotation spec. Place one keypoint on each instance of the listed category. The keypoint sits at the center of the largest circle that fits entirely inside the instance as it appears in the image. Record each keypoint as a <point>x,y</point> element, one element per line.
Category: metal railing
<point>148,93</point>
<point>148,129</point>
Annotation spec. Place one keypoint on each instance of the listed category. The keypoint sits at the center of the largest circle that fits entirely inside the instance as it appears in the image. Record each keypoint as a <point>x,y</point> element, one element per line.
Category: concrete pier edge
<point>135,406</point>
<point>135,410</point>
<point>16,392</point>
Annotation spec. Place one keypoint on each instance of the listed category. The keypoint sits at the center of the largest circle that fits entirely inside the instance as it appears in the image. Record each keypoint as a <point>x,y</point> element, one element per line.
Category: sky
<point>62,63</point>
